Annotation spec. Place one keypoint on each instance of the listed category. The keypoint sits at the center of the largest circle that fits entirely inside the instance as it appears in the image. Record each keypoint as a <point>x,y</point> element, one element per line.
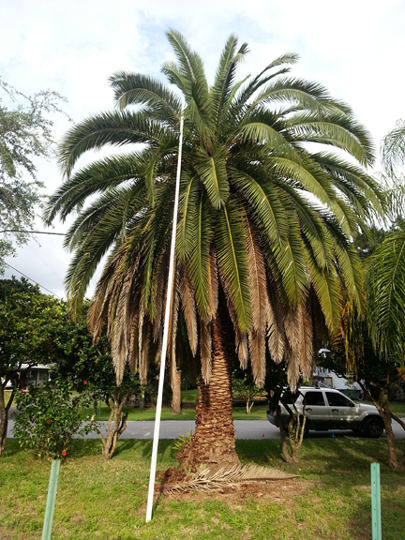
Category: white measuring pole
<point>165,332</point>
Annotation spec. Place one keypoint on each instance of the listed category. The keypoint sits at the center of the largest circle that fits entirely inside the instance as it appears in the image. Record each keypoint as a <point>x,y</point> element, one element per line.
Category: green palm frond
<point>307,174</point>
<point>326,286</point>
<point>259,133</point>
<point>200,260</point>
<point>290,256</point>
<point>386,297</point>
<point>212,171</point>
<point>393,148</point>
<point>309,96</point>
<point>186,225</point>
<point>350,178</point>
<point>266,221</point>
<point>352,274</point>
<point>338,130</point>
<point>115,128</point>
<point>95,178</point>
<point>230,240</point>
<point>137,89</point>
<point>264,201</point>
<point>225,76</point>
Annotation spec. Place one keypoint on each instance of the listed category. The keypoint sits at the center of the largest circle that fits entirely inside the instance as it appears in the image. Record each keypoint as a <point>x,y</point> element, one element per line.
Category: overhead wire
<point>33,280</point>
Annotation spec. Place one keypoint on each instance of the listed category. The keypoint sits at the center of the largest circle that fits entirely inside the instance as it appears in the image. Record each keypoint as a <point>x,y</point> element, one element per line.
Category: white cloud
<point>354,47</point>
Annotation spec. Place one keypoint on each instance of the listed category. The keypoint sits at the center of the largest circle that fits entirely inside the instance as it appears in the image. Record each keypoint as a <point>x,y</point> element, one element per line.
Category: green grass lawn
<point>7,394</point>
<point>146,414</point>
<point>239,413</point>
<point>398,408</point>
<point>189,395</point>
<point>329,499</point>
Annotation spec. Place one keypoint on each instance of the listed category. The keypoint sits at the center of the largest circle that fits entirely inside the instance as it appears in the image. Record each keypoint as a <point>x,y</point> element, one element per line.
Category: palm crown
<point>266,218</point>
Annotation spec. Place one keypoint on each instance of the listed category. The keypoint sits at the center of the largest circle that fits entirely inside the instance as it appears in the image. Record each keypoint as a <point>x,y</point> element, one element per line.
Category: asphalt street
<point>245,429</point>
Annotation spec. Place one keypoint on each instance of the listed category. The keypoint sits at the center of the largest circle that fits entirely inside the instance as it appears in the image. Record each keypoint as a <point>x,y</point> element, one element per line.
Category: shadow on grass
<point>339,470</point>
<point>12,448</point>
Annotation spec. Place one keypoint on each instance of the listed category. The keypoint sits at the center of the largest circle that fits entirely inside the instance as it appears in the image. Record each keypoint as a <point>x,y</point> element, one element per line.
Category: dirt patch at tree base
<point>273,490</point>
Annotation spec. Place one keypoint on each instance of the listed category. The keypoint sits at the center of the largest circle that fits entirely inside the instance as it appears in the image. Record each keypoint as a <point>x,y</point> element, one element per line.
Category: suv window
<point>314,398</point>
<point>338,400</point>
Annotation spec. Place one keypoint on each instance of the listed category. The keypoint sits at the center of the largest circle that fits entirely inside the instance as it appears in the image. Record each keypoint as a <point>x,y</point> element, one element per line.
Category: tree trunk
<point>3,425</point>
<point>383,407</point>
<point>116,425</point>
<point>402,424</point>
<point>176,387</point>
<point>386,416</point>
<point>213,442</point>
<point>283,441</point>
<point>4,408</point>
<point>296,431</point>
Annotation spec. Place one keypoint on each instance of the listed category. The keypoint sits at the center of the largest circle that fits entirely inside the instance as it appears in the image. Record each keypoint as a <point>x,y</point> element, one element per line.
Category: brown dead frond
<point>206,480</point>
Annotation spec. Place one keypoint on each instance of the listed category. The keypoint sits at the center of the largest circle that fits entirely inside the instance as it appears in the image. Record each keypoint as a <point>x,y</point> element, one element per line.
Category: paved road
<point>245,429</point>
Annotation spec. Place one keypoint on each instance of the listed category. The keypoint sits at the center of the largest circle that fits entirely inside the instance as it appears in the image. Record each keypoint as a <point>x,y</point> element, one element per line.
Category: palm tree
<point>386,273</point>
<point>386,296</point>
<point>265,223</point>
<point>393,148</point>
<point>385,287</point>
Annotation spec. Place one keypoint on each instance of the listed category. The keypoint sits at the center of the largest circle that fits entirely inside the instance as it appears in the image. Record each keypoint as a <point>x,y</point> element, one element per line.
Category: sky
<point>355,48</point>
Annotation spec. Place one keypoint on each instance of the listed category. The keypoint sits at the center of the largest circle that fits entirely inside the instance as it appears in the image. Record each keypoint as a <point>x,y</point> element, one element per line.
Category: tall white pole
<point>165,332</point>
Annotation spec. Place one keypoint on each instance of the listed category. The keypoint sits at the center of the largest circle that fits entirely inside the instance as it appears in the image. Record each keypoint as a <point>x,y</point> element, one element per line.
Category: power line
<point>36,282</point>
<point>33,232</point>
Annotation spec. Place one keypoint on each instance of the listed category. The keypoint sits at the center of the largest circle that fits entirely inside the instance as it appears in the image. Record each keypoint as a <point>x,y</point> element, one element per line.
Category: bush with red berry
<point>48,418</point>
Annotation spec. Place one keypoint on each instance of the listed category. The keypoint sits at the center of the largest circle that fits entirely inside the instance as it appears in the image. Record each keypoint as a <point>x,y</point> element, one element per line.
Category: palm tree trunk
<point>176,388</point>
<point>213,442</point>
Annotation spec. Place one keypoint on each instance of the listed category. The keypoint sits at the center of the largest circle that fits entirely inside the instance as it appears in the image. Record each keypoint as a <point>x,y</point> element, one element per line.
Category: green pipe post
<point>375,502</point>
<point>50,502</point>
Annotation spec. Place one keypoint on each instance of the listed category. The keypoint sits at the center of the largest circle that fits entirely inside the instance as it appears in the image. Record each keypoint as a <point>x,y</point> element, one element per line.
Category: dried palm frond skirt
<point>176,481</point>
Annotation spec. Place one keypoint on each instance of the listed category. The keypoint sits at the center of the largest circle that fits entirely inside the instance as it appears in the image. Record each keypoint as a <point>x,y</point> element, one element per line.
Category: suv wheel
<point>373,427</point>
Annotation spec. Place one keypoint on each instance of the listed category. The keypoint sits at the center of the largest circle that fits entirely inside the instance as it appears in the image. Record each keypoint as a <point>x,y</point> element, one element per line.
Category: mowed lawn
<point>239,413</point>
<point>330,499</point>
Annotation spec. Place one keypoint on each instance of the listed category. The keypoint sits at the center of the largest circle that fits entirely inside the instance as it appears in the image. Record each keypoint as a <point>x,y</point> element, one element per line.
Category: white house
<point>32,375</point>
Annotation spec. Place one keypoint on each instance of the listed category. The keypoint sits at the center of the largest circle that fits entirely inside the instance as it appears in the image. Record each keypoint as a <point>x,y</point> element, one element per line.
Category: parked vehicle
<point>326,409</point>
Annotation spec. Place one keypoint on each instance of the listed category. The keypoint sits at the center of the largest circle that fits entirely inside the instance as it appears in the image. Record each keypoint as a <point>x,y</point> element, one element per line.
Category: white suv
<point>325,409</point>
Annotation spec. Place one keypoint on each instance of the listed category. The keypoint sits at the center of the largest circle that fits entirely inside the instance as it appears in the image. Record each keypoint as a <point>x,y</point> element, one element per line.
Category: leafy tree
<point>48,418</point>
<point>265,222</point>
<point>25,134</point>
<point>245,389</point>
<point>278,392</point>
<point>27,318</point>
<point>89,368</point>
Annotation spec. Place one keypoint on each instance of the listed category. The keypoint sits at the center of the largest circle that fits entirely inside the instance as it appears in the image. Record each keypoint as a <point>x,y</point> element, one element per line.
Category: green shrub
<point>48,418</point>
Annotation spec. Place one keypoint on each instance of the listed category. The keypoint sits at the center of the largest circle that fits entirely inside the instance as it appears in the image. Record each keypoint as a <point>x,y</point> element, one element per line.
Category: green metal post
<point>375,502</point>
<point>50,502</point>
